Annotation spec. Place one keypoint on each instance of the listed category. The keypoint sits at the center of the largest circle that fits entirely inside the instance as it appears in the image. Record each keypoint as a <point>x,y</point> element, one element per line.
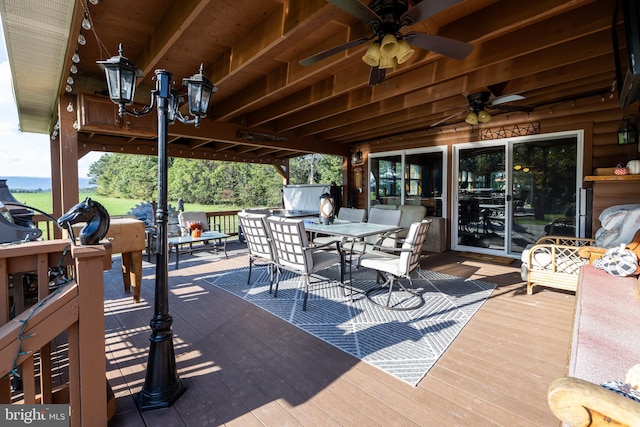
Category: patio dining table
<point>348,229</point>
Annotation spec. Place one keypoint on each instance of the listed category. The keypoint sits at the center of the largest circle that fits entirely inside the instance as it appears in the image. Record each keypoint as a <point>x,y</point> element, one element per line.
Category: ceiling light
<point>73,69</point>
<point>404,52</point>
<point>472,118</point>
<point>484,117</point>
<point>388,46</point>
<point>93,2</point>
<point>75,58</point>
<point>372,56</point>
<point>81,40</point>
<point>86,24</point>
<point>386,62</point>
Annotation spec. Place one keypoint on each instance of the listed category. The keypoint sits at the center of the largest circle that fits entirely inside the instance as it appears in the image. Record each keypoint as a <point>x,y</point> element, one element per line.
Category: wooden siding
<point>599,116</point>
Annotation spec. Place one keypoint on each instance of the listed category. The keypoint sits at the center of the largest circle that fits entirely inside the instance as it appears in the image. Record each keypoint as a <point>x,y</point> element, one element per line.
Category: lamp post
<point>162,385</point>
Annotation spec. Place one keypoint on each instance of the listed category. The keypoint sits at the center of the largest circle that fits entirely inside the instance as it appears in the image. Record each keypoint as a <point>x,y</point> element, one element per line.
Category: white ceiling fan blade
<point>507,98</point>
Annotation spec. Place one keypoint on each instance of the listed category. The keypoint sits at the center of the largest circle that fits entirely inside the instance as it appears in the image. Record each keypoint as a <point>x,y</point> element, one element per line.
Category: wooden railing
<point>74,314</point>
<point>226,221</point>
<point>46,225</point>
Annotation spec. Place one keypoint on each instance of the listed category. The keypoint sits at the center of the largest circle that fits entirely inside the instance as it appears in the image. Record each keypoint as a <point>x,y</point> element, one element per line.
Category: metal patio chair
<point>294,253</point>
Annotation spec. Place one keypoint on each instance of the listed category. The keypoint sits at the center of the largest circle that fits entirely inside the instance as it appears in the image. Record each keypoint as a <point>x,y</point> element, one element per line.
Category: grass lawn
<point>113,205</point>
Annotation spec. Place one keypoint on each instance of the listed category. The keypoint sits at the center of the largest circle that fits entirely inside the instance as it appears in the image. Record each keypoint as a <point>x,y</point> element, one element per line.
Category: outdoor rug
<point>405,344</point>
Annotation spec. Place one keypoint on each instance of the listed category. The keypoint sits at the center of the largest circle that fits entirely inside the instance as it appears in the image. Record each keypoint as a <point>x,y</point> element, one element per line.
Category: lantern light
<point>327,208</point>
<point>162,385</point>
<point>628,133</point>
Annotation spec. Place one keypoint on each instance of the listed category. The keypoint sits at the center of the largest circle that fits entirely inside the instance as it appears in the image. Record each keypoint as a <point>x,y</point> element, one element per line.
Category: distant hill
<point>16,183</point>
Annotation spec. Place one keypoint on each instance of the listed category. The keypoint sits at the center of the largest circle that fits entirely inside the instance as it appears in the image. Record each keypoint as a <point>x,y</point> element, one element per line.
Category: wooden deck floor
<point>245,367</point>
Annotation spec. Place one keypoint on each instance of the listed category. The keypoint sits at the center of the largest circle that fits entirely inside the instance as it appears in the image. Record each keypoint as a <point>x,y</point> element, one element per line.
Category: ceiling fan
<point>480,102</point>
<point>386,18</point>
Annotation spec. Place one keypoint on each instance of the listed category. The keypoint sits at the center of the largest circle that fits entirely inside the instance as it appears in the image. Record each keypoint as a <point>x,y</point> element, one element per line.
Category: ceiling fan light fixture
<point>388,46</point>
<point>404,51</point>
<point>386,63</point>
<point>372,55</point>
<point>484,117</point>
<point>472,118</point>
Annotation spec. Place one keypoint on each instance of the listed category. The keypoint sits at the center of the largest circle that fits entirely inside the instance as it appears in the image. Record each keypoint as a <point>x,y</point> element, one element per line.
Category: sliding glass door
<point>512,192</point>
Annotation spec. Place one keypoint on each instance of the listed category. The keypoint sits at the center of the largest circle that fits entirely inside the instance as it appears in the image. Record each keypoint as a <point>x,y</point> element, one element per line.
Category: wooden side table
<point>127,237</point>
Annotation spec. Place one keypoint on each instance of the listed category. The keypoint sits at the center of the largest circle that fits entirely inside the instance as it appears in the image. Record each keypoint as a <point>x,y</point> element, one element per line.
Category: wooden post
<point>92,373</point>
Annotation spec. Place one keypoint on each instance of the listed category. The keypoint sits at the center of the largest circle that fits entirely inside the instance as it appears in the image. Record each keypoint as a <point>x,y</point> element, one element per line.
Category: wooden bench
<point>604,347</point>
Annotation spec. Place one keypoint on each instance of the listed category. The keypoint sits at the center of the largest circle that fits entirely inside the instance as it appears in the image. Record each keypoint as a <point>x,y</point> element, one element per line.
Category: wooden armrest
<point>577,402</point>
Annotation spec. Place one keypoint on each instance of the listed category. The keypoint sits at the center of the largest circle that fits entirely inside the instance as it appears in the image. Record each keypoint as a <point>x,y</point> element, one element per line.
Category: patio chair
<point>293,252</point>
<point>397,263</point>
<point>377,216</point>
<point>345,214</point>
<point>258,238</point>
<point>185,218</point>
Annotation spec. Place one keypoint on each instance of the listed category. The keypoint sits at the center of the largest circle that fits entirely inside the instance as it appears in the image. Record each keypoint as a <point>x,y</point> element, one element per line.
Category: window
<point>419,173</point>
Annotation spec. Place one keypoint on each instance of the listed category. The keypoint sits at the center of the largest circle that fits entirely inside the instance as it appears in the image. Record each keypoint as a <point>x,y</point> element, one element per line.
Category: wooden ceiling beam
<point>541,36</point>
<point>177,19</point>
<point>418,120</point>
<point>423,117</point>
<point>575,51</point>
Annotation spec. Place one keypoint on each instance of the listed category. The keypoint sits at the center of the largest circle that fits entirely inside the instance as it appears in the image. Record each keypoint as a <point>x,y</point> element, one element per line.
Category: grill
<point>16,222</point>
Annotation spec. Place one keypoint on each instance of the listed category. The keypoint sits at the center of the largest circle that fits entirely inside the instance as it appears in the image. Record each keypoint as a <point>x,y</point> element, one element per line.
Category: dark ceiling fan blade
<point>377,76</point>
<point>443,45</point>
<point>330,52</point>
<point>357,9</point>
<point>426,9</point>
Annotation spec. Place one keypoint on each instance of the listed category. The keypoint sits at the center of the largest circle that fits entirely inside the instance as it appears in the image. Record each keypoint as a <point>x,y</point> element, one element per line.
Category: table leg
<point>177,256</point>
<point>224,246</point>
<point>136,274</point>
<point>126,270</point>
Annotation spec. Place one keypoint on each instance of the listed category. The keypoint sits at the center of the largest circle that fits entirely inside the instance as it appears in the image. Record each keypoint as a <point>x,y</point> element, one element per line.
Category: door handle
<point>509,197</point>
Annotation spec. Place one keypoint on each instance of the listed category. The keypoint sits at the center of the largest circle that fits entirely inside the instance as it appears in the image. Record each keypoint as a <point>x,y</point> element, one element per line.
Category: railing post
<point>92,358</point>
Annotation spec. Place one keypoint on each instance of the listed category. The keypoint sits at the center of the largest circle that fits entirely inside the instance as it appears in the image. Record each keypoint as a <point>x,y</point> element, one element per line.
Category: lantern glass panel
<point>128,81</point>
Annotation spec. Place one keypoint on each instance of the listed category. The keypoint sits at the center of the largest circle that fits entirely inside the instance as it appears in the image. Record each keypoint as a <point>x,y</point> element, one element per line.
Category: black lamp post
<point>162,386</point>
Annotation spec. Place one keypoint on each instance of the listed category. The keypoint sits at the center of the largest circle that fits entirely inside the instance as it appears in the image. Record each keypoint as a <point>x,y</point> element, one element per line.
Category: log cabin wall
<point>599,116</point>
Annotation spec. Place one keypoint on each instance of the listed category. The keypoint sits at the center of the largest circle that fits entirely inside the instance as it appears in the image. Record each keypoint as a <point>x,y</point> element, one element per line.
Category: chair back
<point>290,242</point>
<point>416,236</point>
<point>184,218</point>
<point>352,214</point>
<point>257,235</point>
<point>385,216</point>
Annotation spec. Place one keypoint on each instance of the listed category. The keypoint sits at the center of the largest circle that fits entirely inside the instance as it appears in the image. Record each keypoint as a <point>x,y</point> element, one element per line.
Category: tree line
<point>208,181</point>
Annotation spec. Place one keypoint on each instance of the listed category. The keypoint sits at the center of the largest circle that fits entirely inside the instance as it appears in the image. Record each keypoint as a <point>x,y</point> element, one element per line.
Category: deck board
<point>245,367</point>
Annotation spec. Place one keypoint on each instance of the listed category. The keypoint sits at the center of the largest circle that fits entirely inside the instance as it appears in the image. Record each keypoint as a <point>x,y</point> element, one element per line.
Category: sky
<point>24,154</point>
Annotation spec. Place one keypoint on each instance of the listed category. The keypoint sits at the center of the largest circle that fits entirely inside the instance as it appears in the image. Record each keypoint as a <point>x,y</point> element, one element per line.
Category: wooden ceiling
<point>270,107</point>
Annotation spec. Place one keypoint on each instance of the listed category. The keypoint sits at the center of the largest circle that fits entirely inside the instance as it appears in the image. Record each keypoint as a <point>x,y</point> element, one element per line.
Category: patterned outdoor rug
<point>405,344</point>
